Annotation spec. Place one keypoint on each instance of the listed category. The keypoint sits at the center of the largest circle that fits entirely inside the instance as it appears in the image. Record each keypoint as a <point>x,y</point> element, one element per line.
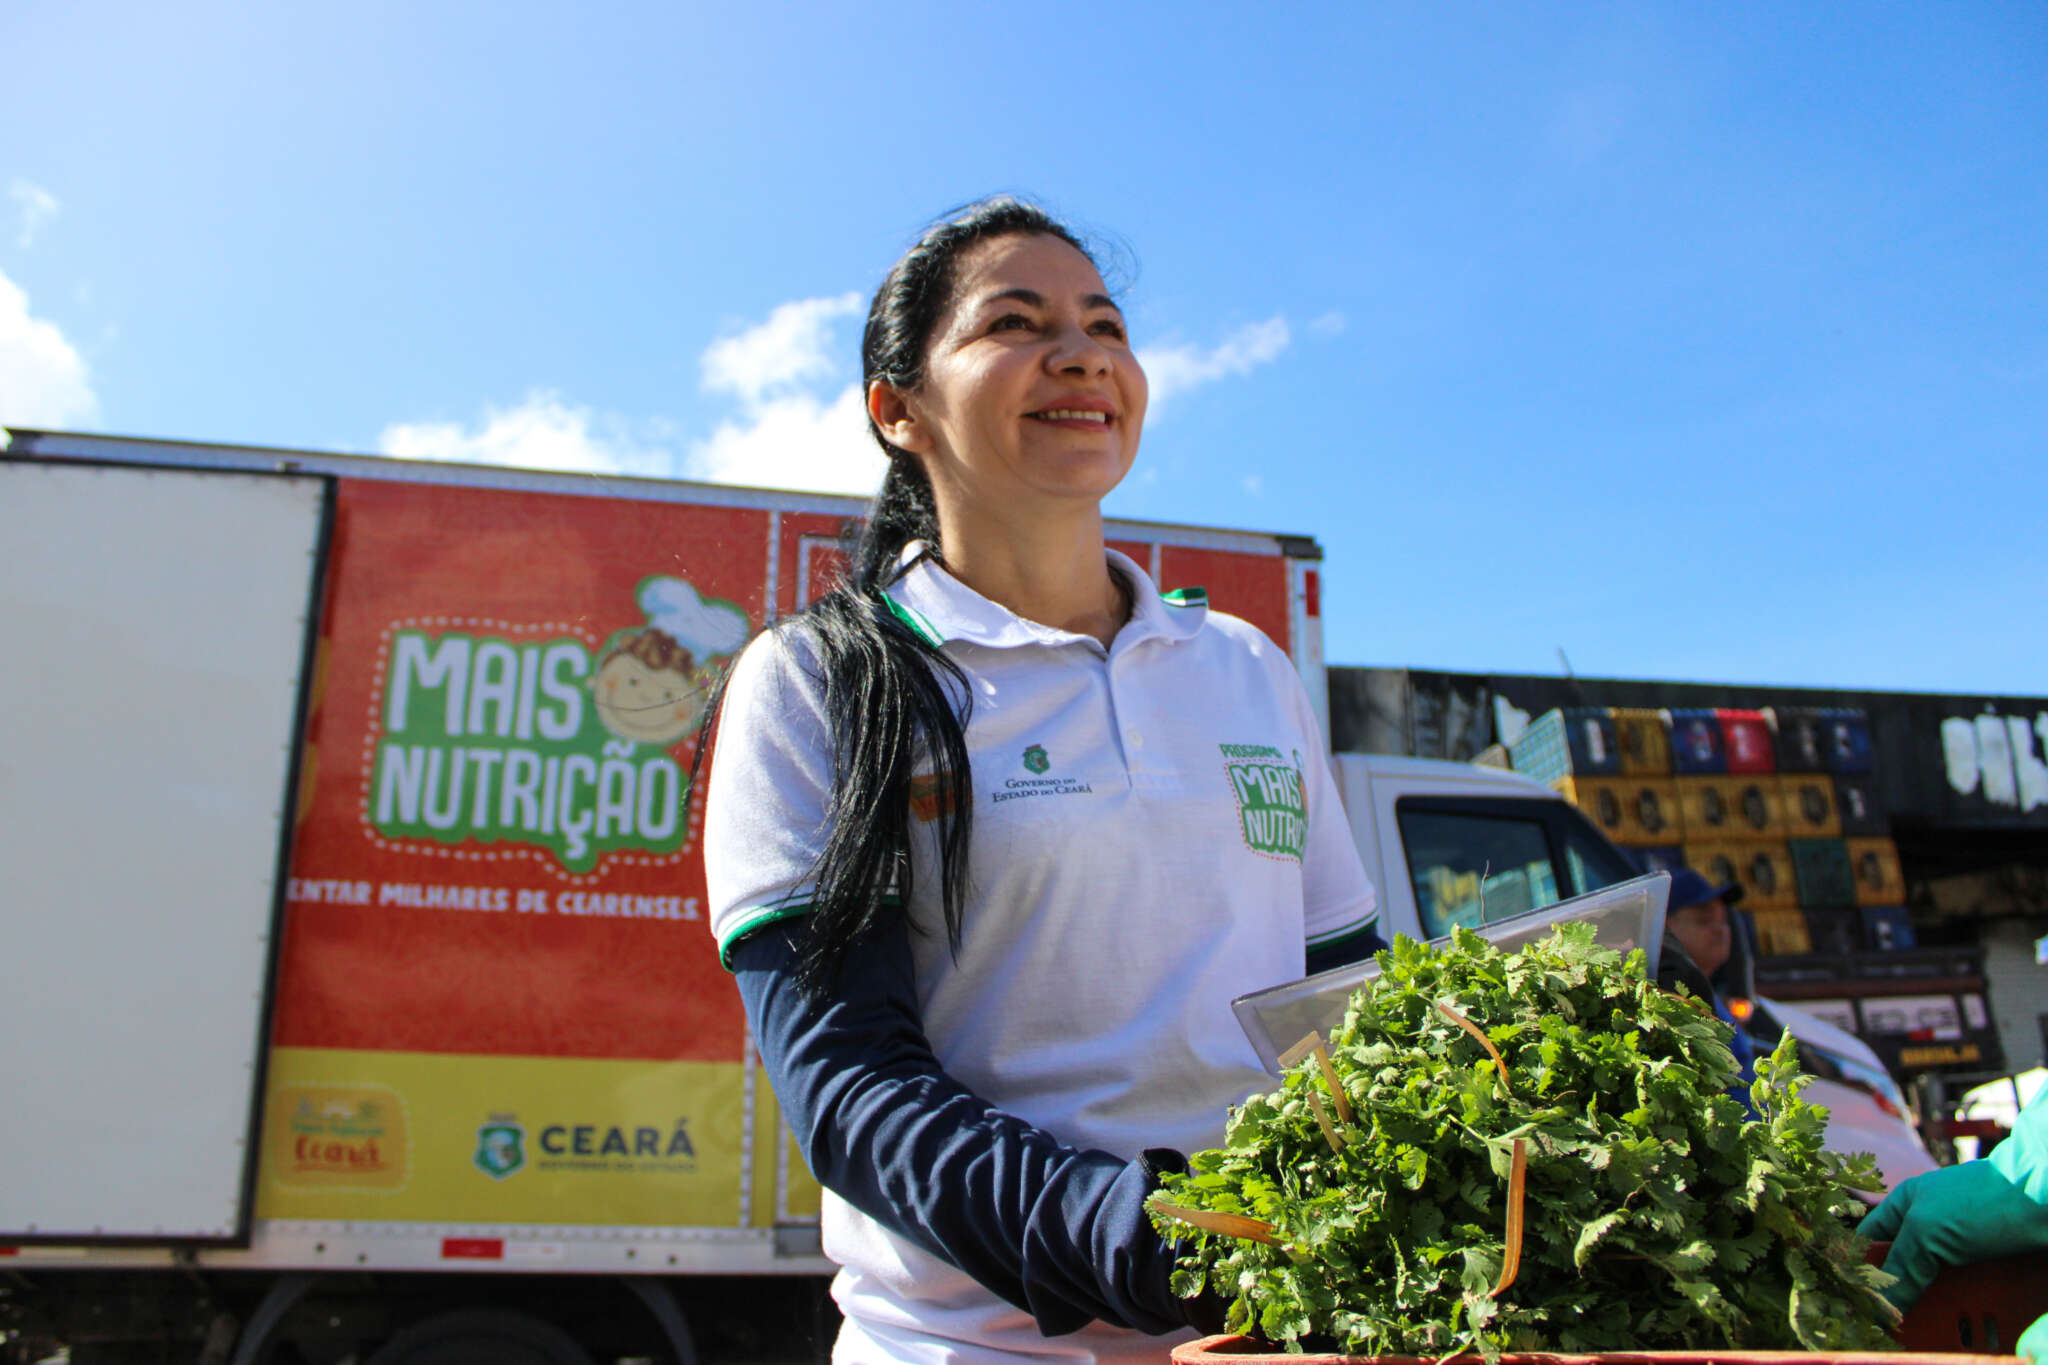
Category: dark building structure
<point>1962,782</point>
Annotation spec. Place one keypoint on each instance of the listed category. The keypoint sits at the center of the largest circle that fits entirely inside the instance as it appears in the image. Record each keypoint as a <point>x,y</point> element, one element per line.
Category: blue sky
<point>1700,341</point>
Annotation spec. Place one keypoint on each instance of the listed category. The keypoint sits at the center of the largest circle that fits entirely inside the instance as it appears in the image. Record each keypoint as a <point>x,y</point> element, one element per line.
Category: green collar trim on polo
<point>915,620</point>
<point>1186,597</point>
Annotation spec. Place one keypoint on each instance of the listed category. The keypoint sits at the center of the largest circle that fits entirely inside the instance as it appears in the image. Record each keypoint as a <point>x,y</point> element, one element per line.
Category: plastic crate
<point>1887,928</point>
<point>1759,807</point>
<point>1821,871</point>
<point>1976,1308</point>
<point>1797,732</point>
<point>1781,933</point>
<point>1645,739</point>
<point>1654,805</point>
<point>1762,869</point>
<point>1697,748</point>
<point>1765,870</point>
<point>1576,741</point>
<point>1874,863</point>
<point>1631,811</point>
<point>1845,736</point>
<point>1808,803</point>
<point>1716,861</point>
<point>1599,799</point>
<point>1706,808</point>
<point>1746,739</point>
<point>1732,807</point>
<point>1860,806</point>
<point>1835,933</point>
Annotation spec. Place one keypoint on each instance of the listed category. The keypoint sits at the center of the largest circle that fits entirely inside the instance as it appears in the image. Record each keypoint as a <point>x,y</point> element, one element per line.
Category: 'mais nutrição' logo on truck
<point>547,742</point>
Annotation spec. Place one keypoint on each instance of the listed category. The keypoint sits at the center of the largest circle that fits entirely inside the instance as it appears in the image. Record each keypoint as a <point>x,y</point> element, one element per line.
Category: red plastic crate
<point>1748,740</point>
<point>1982,1307</point>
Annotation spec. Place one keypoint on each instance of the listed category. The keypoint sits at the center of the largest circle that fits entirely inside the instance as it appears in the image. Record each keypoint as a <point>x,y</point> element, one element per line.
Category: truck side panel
<point>149,694</point>
<point>497,998</point>
<point>501,1039</point>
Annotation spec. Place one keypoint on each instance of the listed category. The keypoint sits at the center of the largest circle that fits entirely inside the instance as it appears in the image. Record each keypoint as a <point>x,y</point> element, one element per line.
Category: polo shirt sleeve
<point>1057,1231</point>
<point>1339,906</point>
<point>770,787</point>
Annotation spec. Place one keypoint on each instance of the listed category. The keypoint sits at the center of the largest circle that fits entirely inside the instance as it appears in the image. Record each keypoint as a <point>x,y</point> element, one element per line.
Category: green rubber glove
<point>1953,1216</point>
<point>2033,1343</point>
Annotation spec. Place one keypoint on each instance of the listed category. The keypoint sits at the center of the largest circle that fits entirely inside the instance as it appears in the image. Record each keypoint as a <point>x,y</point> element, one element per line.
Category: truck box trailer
<point>356,967</point>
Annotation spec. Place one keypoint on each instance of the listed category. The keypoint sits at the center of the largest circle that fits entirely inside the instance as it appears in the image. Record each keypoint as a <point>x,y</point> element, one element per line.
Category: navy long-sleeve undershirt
<point>1058,1231</point>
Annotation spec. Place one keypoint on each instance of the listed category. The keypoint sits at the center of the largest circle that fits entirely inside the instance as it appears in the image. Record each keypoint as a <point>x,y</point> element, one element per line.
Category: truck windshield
<point>1590,860</point>
<point>1473,869</point>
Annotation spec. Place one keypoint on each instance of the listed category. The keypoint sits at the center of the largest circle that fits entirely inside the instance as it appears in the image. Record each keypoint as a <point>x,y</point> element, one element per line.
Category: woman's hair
<point>887,705</point>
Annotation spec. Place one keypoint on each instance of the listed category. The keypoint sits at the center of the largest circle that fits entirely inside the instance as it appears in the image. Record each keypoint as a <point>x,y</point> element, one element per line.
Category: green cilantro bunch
<point>1656,1214</point>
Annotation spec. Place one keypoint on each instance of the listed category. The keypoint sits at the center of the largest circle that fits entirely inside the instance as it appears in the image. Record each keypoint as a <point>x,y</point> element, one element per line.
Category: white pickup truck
<point>1459,843</point>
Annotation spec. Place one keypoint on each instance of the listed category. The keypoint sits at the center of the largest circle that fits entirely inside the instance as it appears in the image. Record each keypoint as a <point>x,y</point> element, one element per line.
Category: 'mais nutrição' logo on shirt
<point>546,742</point>
<point>1272,805</point>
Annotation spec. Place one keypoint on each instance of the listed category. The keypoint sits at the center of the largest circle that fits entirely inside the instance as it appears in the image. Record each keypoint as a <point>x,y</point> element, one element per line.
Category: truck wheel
<point>481,1336</point>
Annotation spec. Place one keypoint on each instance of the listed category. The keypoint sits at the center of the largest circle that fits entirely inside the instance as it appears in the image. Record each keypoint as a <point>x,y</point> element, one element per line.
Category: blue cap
<point>1690,888</point>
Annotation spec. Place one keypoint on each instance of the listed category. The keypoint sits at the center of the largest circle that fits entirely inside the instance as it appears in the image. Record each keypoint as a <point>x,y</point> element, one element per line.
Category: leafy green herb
<point>1656,1214</point>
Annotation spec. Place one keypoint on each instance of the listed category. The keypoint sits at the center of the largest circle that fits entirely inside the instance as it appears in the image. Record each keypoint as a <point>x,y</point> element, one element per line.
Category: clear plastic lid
<point>1626,915</point>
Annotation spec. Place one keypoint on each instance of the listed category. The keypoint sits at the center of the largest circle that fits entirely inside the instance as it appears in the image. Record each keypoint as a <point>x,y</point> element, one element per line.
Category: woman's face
<point>1031,393</point>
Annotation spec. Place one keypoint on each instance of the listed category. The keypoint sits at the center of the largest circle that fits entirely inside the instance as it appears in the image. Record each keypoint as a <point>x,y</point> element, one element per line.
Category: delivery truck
<point>358,996</point>
<point>358,1001</point>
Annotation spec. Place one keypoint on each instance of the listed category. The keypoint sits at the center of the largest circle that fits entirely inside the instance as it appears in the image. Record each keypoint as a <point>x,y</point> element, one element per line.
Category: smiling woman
<point>987,1069</point>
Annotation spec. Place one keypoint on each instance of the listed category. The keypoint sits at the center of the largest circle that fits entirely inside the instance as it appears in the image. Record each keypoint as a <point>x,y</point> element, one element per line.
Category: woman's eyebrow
<point>1035,299</point>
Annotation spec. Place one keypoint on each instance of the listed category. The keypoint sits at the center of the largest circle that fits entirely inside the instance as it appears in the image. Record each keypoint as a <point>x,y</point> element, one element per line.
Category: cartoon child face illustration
<point>652,683</point>
<point>649,689</point>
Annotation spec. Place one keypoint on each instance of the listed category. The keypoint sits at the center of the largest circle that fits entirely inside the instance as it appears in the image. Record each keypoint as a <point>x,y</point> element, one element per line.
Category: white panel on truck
<point>156,629</point>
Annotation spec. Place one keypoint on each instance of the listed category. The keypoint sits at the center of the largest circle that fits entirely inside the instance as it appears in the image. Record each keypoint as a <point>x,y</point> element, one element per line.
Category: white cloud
<point>799,441</point>
<point>1329,324</point>
<point>34,206</point>
<point>1178,369</point>
<point>800,421</point>
<point>1254,485</point>
<point>790,351</point>
<point>792,430</point>
<point>541,432</point>
<point>43,380</point>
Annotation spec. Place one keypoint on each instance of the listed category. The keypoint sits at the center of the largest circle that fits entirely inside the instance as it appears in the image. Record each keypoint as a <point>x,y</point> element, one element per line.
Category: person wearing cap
<point>1697,924</point>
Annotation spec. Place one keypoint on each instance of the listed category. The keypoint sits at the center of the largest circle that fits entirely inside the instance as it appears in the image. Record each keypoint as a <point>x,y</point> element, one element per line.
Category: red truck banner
<point>497,999</point>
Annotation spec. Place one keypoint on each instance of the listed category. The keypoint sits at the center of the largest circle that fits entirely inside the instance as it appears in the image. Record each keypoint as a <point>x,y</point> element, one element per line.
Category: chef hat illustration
<point>707,629</point>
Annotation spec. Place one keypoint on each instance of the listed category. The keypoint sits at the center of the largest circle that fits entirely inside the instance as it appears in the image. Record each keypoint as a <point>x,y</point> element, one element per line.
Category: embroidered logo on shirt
<point>1272,804</point>
<point>1037,762</point>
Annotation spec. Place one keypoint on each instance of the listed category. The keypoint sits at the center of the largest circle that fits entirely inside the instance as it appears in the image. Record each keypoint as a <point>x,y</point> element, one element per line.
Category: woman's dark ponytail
<point>889,710</point>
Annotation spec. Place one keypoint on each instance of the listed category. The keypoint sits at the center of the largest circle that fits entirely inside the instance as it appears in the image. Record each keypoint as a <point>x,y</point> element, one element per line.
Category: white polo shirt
<point>1155,832</point>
